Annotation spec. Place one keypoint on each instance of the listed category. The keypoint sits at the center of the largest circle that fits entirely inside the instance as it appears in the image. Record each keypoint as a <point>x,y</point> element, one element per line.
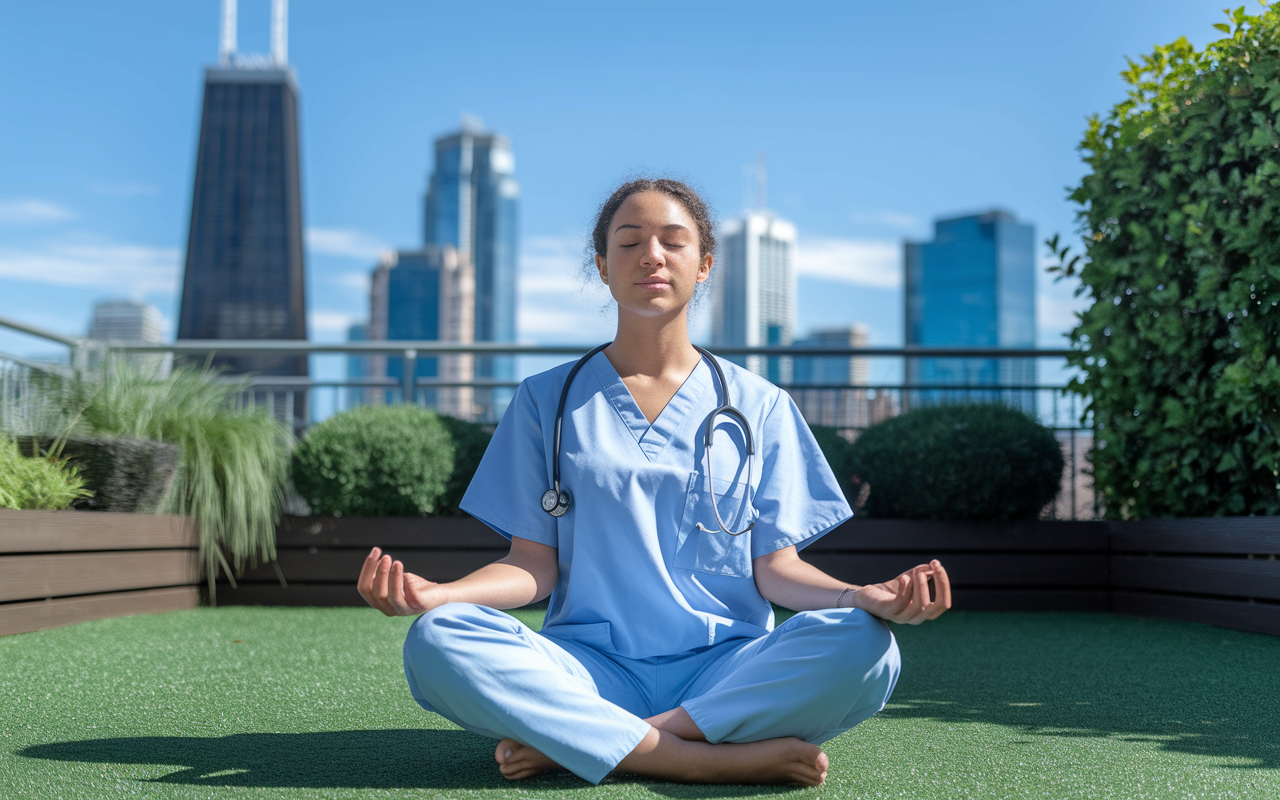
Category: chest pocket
<point>715,551</point>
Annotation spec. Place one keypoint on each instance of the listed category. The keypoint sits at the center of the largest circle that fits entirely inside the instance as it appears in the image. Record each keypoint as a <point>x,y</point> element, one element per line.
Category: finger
<point>365,582</point>
<point>380,580</point>
<point>395,590</point>
<point>920,602</point>
<point>942,583</point>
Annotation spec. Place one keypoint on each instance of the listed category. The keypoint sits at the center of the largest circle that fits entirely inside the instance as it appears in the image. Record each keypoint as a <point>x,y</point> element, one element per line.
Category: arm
<point>784,579</point>
<point>525,575</point>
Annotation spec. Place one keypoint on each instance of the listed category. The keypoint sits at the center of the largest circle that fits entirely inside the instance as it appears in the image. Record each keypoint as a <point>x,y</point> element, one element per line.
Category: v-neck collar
<point>651,438</point>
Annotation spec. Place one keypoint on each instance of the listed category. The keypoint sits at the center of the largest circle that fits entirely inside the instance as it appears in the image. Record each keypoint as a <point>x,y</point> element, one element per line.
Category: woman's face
<point>653,263</point>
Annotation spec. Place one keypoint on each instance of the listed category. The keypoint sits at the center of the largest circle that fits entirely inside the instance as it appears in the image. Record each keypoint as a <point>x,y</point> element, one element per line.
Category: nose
<point>654,255</point>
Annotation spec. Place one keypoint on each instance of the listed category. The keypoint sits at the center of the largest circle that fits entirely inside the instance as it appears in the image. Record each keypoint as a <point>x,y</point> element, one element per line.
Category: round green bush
<point>470,440</point>
<point>375,461</point>
<point>958,462</point>
<point>839,454</point>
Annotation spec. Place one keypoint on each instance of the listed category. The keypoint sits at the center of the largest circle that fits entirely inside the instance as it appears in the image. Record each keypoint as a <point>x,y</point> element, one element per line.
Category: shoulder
<point>545,386</point>
<point>750,391</point>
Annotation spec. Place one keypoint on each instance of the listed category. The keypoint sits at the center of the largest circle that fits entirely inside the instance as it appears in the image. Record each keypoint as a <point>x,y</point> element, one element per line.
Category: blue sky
<point>875,118</point>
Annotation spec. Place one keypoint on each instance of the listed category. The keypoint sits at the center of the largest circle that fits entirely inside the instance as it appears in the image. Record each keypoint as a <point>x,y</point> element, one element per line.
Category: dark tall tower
<point>244,271</point>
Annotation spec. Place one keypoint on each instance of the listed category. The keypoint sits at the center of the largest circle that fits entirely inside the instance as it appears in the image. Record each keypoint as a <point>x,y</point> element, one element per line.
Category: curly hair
<point>677,190</point>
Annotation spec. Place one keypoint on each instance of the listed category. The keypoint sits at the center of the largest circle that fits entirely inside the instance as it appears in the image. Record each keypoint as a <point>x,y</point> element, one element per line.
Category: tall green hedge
<point>1180,213</point>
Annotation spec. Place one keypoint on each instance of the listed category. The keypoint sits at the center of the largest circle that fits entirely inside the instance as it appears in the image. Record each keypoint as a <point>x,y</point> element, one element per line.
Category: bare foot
<point>519,761</point>
<point>785,760</point>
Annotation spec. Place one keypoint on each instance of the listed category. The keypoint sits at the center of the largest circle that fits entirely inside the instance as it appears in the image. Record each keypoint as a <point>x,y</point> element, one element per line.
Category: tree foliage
<point>1180,214</point>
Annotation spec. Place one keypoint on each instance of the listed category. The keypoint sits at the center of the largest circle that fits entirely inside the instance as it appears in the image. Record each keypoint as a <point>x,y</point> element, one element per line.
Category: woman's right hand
<point>387,587</point>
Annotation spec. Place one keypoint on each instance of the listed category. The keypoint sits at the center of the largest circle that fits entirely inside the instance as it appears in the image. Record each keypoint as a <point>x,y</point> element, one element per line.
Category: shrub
<point>36,482</point>
<point>375,461</point>
<point>470,440</point>
<point>233,464</point>
<point>1180,212</point>
<point>839,453</point>
<point>971,461</point>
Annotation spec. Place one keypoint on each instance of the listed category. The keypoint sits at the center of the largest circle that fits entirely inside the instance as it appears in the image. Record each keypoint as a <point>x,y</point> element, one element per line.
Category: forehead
<point>652,210</point>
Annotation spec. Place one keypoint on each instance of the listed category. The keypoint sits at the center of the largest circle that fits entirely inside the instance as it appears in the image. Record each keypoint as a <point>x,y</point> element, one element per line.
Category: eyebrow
<point>664,227</point>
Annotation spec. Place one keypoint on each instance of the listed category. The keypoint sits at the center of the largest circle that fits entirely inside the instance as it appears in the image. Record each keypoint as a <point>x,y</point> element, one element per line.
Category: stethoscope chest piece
<point>556,503</point>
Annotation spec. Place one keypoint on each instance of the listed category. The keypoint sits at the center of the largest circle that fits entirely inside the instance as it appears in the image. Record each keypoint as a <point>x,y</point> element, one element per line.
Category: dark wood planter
<point>1221,570</point>
<point>61,567</point>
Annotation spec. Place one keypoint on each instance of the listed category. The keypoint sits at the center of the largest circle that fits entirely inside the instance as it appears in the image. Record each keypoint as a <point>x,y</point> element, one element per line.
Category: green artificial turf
<point>268,702</point>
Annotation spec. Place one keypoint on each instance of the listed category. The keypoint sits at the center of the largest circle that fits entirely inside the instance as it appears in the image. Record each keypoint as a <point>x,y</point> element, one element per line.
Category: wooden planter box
<point>1032,566</point>
<point>1221,570</point>
<point>61,567</point>
<point>1029,565</point>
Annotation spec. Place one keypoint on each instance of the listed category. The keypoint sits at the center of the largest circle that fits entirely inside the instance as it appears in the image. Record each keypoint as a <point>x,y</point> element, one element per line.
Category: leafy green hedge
<point>375,461</point>
<point>1180,213</point>
<point>470,440</point>
<point>969,461</point>
<point>839,454</point>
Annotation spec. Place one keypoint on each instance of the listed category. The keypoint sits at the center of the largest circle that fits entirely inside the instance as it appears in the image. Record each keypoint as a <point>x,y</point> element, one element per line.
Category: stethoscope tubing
<point>556,501</point>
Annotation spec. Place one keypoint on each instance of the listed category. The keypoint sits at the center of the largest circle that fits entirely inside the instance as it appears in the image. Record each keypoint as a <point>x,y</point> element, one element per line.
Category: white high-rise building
<point>129,322</point>
<point>753,290</point>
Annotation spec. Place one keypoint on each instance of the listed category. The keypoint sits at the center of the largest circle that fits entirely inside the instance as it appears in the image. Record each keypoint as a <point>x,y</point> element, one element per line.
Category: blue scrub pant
<point>814,677</point>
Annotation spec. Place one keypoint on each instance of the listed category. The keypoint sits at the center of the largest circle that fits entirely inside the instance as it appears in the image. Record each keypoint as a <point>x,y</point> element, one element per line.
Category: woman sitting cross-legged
<point>657,495</point>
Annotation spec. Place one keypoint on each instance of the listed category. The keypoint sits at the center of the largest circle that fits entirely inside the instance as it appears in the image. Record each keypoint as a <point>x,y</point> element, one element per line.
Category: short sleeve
<point>507,489</point>
<point>799,498</point>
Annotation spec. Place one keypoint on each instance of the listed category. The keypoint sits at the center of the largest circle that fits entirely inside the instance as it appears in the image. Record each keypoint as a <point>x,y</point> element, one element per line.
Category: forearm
<point>784,579</point>
<point>502,584</point>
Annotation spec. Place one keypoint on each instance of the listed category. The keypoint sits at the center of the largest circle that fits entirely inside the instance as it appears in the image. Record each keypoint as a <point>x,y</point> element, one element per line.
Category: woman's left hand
<point>906,599</point>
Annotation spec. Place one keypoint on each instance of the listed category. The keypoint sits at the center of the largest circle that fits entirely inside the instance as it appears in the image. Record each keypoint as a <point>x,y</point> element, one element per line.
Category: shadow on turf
<point>378,759</point>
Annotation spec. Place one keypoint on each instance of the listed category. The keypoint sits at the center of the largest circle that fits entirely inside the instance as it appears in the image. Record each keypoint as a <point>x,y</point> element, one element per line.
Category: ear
<point>704,269</point>
<point>603,268</point>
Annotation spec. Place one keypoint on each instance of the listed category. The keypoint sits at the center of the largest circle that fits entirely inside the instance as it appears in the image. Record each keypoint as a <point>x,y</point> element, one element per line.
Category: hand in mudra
<point>387,587</point>
<point>906,598</point>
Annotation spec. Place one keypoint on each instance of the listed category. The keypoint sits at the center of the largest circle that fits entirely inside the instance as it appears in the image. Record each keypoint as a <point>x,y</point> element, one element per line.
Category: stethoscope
<point>556,501</point>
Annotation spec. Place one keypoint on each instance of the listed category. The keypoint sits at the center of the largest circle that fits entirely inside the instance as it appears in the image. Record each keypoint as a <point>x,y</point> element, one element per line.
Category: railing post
<point>409,378</point>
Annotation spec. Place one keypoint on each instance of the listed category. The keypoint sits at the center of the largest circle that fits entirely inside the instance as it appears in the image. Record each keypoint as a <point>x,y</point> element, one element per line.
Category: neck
<point>652,345</point>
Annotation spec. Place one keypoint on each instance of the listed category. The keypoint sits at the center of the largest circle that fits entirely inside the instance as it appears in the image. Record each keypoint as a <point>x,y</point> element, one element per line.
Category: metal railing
<point>845,406</point>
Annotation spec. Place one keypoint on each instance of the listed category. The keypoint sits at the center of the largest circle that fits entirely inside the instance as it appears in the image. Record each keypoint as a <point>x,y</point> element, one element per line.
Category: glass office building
<point>471,203</point>
<point>426,295</point>
<point>244,268</point>
<point>972,286</point>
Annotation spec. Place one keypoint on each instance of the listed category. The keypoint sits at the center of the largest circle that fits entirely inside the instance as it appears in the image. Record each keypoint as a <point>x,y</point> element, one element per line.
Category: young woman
<point>660,555</point>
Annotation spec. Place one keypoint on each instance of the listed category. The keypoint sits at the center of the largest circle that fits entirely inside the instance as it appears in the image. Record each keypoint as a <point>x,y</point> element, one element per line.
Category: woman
<point>658,655</point>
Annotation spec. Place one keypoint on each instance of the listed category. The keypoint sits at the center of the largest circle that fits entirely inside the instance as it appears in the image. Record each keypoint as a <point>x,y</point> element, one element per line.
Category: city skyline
<point>80,230</point>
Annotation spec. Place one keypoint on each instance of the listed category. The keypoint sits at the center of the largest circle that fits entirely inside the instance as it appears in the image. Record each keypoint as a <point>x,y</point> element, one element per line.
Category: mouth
<point>654,285</point>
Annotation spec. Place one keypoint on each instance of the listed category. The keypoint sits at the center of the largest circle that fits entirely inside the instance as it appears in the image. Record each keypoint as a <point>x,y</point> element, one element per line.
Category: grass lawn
<point>266,702</point>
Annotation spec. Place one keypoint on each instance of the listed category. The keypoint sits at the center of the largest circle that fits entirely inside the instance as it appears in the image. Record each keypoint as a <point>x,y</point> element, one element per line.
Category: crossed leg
<point>752,718</point>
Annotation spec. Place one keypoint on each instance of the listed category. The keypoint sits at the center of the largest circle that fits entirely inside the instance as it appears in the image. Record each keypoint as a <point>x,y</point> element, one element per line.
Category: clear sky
<point>876,118</point>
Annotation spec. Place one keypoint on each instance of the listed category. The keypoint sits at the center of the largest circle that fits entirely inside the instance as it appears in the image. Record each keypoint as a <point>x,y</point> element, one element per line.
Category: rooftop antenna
<point>762,181</point>
<point>279,32</point>
<point>227,43</point>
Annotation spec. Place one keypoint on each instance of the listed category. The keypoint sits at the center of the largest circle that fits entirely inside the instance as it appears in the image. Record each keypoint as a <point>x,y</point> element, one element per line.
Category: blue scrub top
<point>637,578</point>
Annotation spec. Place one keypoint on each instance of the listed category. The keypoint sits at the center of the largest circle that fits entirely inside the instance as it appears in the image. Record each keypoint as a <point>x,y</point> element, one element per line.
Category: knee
<point>858,643</point>
<point>448,630</point>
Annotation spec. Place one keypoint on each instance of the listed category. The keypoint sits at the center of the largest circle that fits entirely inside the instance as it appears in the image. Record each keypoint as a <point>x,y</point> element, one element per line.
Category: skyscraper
<point>753,290</point>
<point>244,269</point>
<point>844,408</point>
<point>972,286</point>
<point>426,294</point>
<point>471,204</point>
<point>133,322</point>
